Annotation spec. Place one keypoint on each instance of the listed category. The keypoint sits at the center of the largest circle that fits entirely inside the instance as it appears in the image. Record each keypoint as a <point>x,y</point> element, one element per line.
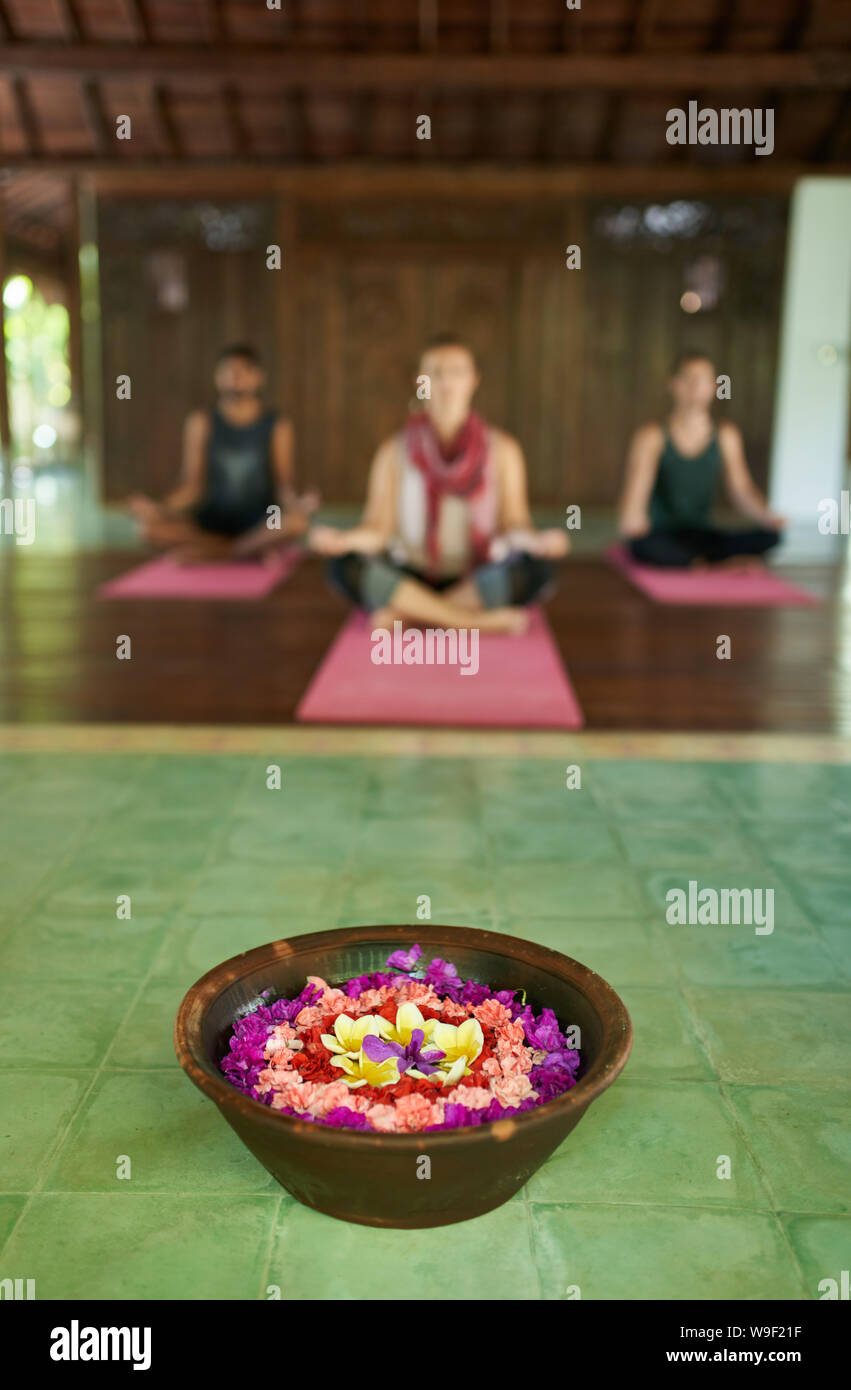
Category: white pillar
<point>811,404</point>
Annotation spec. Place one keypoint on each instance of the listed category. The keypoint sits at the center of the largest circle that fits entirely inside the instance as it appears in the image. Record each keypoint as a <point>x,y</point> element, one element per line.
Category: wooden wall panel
<point>572,360</point>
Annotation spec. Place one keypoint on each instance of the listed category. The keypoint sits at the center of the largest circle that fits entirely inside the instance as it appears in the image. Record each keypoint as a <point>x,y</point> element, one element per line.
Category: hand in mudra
<point>547,545</point>
<point>552,544</point>
<point>326,540</point>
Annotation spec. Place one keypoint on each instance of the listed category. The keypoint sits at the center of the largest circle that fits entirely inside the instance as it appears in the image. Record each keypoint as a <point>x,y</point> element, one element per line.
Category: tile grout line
<point>758,1169</point>
<point>270,1244</point>
<point>51,1158</point>
<point>54,1151</point>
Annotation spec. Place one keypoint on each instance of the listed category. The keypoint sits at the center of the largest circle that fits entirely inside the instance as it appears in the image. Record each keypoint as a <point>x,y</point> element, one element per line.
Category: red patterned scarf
<point>459,469</point>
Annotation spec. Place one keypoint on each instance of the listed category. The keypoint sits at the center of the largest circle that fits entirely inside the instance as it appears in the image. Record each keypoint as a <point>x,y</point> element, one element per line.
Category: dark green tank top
<point>686,486</point>
<point>239,483</point>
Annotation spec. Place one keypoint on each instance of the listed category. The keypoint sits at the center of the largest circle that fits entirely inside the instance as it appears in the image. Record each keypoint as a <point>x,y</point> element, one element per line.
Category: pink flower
<point>334,1001</point>
<point>383,1118</point>
<point>476,1097</point>
<point>511,1049</point>
<point>291,1090</point>
<point>415,1111</point>
<point>332,1094</point>
<point>510,1090</point>
<point>309,1017</point>
<point>454,1013</point>
<point>265,1080</point>
<point>370,1001</point>
<point>417,992</point>
<point>355,1101</point>
<point>282,1059</point>
<point>492,1014</point>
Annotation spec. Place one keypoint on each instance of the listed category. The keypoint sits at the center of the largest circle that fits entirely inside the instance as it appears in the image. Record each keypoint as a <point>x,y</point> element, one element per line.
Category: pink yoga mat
<point>235,579</point>
<point>520,684</point>
<point>710,587</point>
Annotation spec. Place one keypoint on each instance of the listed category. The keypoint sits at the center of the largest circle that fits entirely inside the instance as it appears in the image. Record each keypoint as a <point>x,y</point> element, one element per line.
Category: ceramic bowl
<point>377,1179</point>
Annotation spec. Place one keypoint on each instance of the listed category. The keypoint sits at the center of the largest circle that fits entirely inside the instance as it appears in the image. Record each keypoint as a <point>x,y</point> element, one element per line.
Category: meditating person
<point>237,478</point>
<point>672,477</point>
<point>446,538</point>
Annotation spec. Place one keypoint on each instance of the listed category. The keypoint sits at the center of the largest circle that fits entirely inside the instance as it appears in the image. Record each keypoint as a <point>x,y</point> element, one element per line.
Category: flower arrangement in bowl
<point>345,1059</point>
<point>402,1049</point>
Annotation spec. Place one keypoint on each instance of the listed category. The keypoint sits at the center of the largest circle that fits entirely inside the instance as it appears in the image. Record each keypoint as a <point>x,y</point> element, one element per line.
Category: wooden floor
<point>635,665</point>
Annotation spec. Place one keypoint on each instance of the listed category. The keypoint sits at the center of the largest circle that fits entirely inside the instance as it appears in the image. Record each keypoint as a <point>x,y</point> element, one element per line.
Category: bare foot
<point>384,617</point>
<point>513,620</point>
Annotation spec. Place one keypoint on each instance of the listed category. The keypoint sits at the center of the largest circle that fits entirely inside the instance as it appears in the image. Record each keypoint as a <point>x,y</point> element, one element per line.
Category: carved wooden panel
<point>572,360</point>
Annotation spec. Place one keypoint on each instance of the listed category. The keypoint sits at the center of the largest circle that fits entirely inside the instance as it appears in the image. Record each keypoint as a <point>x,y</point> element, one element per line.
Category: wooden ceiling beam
<point>349,179</point>
<point>98,124</point>
<point>89,91</point>
<point>73,20</point>
<point>140,20</point>
<point>500,25</point>
<point>725,22</point>
<point>216,21</point>
<point>428,24</point>
<point>7,28</point>
<point>797,30</point>
<point>26,118</point>
<point>610,128</point>
<point>168,126</point>
<point>353,71</point>
<point>236,125</point>
<point>357,25</point>
<point>646,16</point>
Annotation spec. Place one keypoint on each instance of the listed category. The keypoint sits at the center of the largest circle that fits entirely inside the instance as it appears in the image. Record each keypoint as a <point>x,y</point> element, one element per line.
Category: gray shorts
<point>370,581</point>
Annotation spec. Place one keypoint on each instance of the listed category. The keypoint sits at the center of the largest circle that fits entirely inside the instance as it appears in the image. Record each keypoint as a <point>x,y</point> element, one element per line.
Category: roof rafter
<point>342,71</point>
<point>27,117</point>
<point>7,28</point>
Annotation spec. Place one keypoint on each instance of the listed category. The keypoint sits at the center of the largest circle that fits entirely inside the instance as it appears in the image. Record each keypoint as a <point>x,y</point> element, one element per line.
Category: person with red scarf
<point>446,537</point>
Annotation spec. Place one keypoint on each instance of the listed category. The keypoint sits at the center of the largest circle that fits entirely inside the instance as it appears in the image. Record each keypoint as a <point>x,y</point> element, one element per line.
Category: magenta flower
<point>443,978</point>
<point>405,960</point>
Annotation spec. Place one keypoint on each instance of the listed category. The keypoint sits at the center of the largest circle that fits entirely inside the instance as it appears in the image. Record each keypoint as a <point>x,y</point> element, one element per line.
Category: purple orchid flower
<point>377,1050</point>
<point>405,960</point>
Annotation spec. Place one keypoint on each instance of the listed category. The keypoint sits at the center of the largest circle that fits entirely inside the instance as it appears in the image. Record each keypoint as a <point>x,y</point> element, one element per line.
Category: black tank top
<point>686,485</point>
<point>240,484</point>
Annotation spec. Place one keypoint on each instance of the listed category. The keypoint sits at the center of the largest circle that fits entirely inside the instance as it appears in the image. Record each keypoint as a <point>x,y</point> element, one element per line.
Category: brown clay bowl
<point>374,1178</point>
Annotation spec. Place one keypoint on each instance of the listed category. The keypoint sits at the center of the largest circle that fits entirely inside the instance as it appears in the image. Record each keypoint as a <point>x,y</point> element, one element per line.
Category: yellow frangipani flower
<point>361,1071</point>
<point>408,1017</point>
<point>461,1045</point>
<point>349,1033</point>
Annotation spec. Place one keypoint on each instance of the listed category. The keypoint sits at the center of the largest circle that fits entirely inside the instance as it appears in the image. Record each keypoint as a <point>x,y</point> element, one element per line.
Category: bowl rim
<point>615,1047</point>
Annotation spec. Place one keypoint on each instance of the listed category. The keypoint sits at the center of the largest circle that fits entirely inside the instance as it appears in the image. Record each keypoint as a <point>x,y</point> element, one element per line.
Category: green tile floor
<point>742,1041</point>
